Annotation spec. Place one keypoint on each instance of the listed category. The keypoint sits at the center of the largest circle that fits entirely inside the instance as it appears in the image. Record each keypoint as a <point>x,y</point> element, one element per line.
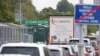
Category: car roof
<point>78,39</point>
<point>67,46</point>
<point>24,45</point>
<point>54,48</point>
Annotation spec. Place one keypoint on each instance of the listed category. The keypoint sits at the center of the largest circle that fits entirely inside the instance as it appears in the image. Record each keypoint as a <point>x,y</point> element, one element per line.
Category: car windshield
<point>93,38</point>
<point>66,52</point>
<point>75,42</point>
<point>55,52</point>
<point>33,51</point>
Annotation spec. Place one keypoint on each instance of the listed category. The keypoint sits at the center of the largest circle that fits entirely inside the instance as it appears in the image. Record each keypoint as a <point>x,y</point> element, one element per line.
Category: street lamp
<point>20,2</point>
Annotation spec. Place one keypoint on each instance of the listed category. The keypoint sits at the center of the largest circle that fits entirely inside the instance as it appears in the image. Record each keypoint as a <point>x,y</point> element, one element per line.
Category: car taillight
<point>86,54</point>
<point>70,54</point>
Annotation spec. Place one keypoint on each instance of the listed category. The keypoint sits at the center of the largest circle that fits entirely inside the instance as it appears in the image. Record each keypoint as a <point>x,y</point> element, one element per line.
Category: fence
<point>10,33</point>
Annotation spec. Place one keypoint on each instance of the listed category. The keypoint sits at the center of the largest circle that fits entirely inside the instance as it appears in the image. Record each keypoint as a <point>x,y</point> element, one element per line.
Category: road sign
<point>32,22</point>
<point>87,14</point>
<point>61,28</point>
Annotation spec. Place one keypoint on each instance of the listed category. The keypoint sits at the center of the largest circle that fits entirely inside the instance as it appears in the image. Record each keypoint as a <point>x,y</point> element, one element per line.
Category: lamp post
<point>20,11</point>
<point>20,2</point>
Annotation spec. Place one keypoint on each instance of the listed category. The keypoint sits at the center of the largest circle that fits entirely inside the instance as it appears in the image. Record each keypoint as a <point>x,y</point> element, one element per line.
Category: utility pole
<point>81,1</point>
<point>20,2</point>
<point>81,44</point>
<point>98,40</point>
<point>97,2</point>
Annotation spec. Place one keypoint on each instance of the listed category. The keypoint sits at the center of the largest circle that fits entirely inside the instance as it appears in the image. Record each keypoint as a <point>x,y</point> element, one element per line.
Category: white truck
<point>24,49</point>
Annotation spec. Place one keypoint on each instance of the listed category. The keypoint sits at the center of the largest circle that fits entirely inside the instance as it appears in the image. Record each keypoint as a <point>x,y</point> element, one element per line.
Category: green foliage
<point>92,29</point>
<point>44,14</point>
<point>62,6</point>
<point>5,12</point>
<point>65,8</point>
<point>8,8</point>
<point>29,10</point>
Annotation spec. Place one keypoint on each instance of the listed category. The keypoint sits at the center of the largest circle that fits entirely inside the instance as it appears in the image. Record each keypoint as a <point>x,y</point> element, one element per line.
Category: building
<point>10,33</point>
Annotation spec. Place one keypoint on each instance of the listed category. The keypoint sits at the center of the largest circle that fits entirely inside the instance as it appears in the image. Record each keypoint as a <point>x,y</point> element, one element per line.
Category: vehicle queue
<point>40,49</point>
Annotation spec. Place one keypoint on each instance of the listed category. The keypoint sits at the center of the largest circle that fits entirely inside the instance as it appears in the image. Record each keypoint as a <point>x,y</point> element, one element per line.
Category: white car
<point>32,49</point>
<point>55,51</point>
<point>67,50</point>
<point>88,46</point>
<point>90,50</point>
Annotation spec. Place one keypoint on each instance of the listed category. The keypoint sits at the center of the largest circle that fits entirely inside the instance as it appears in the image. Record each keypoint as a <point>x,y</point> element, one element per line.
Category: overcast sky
<point>40,4</point>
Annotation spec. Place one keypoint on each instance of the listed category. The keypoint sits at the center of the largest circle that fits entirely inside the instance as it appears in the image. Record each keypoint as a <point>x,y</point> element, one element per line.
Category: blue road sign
<point>87,14</point>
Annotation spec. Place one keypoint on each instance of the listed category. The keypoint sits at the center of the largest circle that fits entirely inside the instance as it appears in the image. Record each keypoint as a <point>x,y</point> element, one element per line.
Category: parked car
<point>55,51</point>
<point>32,49</point>
<point>67,49</point>
<point>88,46</point>
<point>93,39</point>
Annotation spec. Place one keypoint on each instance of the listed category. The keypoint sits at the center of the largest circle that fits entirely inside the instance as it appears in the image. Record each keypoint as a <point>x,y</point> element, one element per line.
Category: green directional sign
<point>32,22</point>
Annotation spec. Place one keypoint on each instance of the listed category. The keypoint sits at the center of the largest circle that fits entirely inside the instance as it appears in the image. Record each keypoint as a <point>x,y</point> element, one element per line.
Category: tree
<point>92,28</point>
<point>62,6</point>
<point>71,8</point>
<point>65,8</point>
<point>28,9</point>
<point>5,12</point>
<point>44,14</point>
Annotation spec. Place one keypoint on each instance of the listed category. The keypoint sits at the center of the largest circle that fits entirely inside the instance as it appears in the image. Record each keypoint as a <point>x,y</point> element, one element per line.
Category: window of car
<point>66,52</point>
<point>33,51</point>
<point>54,52</point>
<point>75,42</point>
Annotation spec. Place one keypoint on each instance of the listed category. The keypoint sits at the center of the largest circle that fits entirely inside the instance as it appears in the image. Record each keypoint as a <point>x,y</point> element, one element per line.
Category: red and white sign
<point>61,28</point>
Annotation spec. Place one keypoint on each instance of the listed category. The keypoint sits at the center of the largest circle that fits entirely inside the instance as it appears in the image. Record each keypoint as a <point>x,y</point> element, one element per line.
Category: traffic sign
<point>35,22</point>
<point>87,14</point>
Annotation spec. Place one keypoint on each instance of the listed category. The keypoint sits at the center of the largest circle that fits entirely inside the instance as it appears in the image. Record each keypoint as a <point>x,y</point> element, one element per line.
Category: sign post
<point>86,14</point>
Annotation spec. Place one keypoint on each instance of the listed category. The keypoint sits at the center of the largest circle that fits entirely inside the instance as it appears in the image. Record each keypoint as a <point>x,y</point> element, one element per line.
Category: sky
<point>40,4</point>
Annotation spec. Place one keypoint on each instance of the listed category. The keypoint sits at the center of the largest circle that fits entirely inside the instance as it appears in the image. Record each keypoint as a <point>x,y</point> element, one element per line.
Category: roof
<point>92,36</point>
<point>79,39</point>
<point>61,15</point>
<point>24,45</point>
<point>54,47</point>
<point>60,46</point>
<point>3,24</point>
<point>15,25</point>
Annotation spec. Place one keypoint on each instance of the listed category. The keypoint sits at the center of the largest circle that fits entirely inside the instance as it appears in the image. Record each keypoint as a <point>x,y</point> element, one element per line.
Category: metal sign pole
<point>98,40</point>
<point>96,2</point>
<point>81,1</point>
<point>81,45</point>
